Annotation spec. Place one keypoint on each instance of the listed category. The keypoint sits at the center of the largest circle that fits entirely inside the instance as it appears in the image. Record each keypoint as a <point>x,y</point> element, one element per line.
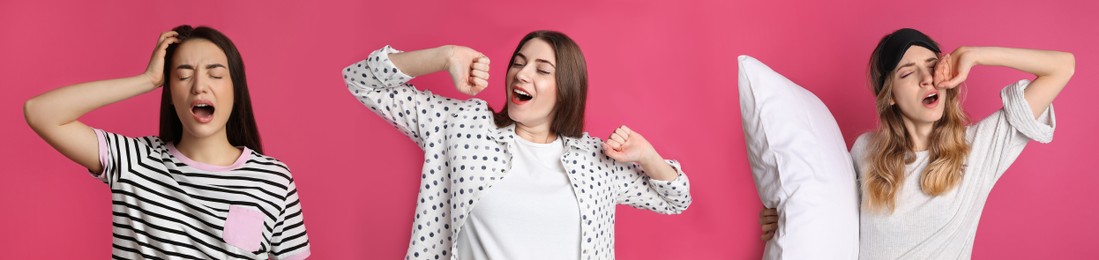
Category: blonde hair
<point>891,147</point>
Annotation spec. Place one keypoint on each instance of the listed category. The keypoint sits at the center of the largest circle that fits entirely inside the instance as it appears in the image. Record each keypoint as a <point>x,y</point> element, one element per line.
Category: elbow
<point>36,113</point>
<point>679,209</point>
<point>355,75</point>
<point>678,206</point>
<point>685,205</point>
<point>1061,66</point>
<point>1070,64</point>
<point>348,75</point>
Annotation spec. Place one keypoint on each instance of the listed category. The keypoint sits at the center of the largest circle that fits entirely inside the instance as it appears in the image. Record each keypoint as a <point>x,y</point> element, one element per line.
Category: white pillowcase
<point>801,166</point>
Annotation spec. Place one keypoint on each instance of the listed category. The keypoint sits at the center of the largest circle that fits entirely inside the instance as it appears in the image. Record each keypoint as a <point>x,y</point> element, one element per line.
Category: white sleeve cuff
<point>1021,117</point>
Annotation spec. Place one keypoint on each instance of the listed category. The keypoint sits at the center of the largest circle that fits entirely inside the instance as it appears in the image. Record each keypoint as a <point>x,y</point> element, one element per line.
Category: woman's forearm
<point>1041,63</point>
<point>1052,69</point>
<point>65,105</point>
<point>657,168</point>
<point>422,62</point>
<point>53,115</point>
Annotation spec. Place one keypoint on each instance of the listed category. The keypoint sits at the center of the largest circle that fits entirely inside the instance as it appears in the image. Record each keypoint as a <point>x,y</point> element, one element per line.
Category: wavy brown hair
<point>891,147</point>
<point>572,84</point>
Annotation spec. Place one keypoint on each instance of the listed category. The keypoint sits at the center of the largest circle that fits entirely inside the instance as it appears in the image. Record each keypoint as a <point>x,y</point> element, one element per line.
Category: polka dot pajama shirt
<point>465,154</point>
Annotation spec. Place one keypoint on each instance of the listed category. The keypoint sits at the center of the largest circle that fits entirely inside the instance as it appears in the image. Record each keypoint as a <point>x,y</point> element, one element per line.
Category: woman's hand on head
<point>155,71</point>
<point>953,68</point>
<point>468,69</point>
<point>54,115</point>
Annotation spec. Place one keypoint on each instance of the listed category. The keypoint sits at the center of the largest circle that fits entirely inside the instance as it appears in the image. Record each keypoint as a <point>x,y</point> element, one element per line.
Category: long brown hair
<point>241,128</point>
<point>572,84</point>
<point>891,147</point>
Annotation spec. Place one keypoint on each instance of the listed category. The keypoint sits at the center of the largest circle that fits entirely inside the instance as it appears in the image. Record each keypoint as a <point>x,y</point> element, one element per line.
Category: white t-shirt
<point>945,226</point>
<point>531,214</point>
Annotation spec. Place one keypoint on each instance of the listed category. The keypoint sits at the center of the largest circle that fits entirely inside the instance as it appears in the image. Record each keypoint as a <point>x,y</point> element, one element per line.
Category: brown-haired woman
<point>522,183</point>
<point>925,172</point>
<point>202,188</point>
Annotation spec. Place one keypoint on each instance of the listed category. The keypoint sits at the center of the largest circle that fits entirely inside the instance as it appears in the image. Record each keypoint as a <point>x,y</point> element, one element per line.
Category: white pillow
<point>801,166</point>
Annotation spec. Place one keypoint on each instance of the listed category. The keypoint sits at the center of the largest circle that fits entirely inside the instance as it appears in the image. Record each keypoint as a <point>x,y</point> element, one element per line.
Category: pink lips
<point>934,102</point>
<point>515,98</point>
<point>201,115</point>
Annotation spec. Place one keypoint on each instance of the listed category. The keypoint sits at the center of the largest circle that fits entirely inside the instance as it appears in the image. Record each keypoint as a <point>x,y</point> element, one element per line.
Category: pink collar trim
<point>245,154</point>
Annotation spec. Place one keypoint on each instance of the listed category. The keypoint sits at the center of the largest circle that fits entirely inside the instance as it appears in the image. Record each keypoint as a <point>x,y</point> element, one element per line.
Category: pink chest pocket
<point>243,228</point>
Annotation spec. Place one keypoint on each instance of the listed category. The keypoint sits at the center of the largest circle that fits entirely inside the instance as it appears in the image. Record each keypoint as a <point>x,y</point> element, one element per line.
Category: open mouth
<point>203,111</point>
<point>931,99</point>
<point>522,95</point>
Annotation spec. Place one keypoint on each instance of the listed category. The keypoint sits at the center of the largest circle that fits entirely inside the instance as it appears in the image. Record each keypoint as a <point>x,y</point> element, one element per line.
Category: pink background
<point>666,69</point>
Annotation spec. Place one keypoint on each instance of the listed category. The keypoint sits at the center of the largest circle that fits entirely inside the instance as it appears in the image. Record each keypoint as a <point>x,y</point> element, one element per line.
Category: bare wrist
<point>652,160</point>
<point>445,56</point>
<point>148,78</point>
<point>978,53</point>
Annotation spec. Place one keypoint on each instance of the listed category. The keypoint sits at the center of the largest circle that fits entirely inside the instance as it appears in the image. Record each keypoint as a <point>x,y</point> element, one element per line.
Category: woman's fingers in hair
<point>155,69</point>
<point>165,39</point>
<point>166,35</point>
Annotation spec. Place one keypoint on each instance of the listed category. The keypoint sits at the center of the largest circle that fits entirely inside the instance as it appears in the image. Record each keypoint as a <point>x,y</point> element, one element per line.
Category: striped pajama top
<point>166,206</point>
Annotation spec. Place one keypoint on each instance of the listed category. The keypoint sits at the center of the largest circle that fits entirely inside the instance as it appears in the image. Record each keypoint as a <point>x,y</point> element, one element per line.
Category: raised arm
<point>625,145</point>
<point>1052,68</point>
<point>467,67</point>
<point>645,179</point>
<point>53,115</point>
<point>380,83</point>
